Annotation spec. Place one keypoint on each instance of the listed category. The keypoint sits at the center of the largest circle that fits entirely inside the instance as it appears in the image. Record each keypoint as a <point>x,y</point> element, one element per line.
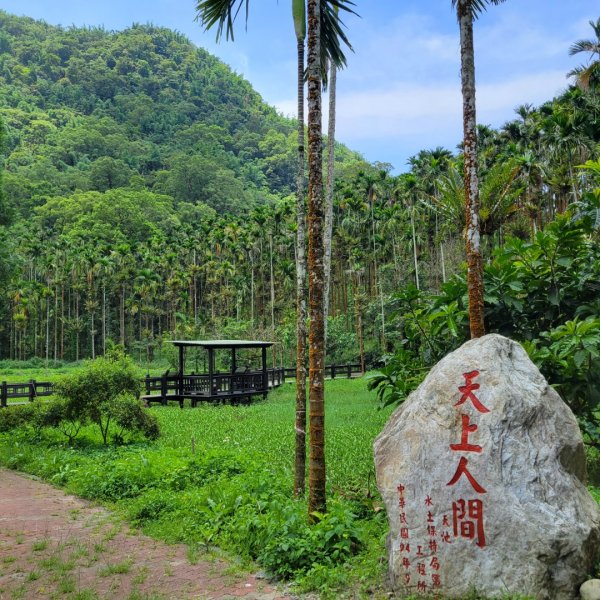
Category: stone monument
<point>482,471</point>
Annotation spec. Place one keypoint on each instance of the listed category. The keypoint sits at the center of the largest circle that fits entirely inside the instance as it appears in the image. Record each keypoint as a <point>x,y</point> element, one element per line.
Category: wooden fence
<point>165,384</point>
<point>31,390</point>
<point>331,371</point>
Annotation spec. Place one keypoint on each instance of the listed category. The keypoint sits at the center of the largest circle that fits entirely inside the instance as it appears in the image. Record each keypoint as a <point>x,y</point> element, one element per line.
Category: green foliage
<point>400,375</point>
<point>534,286</point>
<point>16,416</point>
<point>235,490</point>
<point>569,355</point>
<point>98,111</point>
<point>104,392</point>
<point>431,324</point>
<point>541,292</point>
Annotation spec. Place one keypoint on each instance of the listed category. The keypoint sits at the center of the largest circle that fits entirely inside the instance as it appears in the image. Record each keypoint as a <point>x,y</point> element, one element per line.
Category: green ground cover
<point>221,476</point>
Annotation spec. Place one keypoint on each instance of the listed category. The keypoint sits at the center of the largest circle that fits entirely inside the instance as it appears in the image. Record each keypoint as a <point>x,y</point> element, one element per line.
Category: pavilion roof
<point>222,343</point>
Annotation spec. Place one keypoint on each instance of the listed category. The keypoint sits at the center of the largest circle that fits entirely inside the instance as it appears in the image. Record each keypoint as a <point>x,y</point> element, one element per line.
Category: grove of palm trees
<point>149,194</point>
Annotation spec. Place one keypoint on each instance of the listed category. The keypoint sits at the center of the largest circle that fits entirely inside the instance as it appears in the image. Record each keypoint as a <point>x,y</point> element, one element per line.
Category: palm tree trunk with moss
<point>300,458</point>
<point>329,189</point>
<point>316,216</point>
<point>472,234</point>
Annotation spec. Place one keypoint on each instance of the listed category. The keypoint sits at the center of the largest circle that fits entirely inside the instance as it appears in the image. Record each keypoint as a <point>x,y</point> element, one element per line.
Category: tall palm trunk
<point>472,234</point>
<point>272,284</point>
<point>77,322</point>
<point>301,312</point>
<point>103,319</point>
<point>414,241</point>
<point>55,323</point>
<point>316,335</point>
<point>332,85</point>
<point>122,317</point>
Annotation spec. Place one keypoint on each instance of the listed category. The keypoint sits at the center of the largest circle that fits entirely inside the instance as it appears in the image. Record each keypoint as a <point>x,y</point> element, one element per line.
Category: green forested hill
<point>88,109</point>
<point>148,196</point>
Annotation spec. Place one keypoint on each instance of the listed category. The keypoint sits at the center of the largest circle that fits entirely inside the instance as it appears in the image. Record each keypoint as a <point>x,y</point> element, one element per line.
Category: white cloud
<point>408,109</point>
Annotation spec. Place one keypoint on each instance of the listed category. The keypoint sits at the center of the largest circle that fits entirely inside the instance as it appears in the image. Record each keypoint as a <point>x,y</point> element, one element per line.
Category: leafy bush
<point>121,481</point>
<point>569,357</point>
<point>130,416</point>
<point>400,375</point>
<point>64,416</point>
<point>203,470</point>
<point>541,292</point>
<point>104,392</point>
<point>16,416</point>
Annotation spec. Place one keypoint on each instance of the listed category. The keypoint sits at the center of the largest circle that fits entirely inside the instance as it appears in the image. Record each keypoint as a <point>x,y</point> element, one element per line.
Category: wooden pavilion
<point>235,384</point>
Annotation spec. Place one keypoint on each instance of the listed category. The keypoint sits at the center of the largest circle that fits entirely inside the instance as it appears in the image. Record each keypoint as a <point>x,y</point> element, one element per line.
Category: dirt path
<point>57,546</point>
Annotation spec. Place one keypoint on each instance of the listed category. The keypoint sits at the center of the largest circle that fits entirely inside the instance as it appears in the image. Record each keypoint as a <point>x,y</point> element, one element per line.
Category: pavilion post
<point>181,368</point>
<point>232,384</point>
<point>264,370</point>
<point>211,365</point>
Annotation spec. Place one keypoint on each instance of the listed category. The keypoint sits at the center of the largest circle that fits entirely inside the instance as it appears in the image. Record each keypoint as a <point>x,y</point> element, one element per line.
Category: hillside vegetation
<point>148,194</point>
<point>88,109</point>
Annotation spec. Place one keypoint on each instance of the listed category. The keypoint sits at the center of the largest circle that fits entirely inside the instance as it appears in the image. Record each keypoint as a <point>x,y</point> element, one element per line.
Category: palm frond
<point>332,31</point>
<point>221,12</point>
<point>584,46</point>
<point>473,7</point>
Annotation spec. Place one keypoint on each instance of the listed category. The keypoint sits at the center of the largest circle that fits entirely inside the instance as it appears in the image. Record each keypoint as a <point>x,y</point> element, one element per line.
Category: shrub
<point>104,392</point>
<point>62,415</point>
<point>16,416</point>
<point>569,357</point>
<point>130,416</point>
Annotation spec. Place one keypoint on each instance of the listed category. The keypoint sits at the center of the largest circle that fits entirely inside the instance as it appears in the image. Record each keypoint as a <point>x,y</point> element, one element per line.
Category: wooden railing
<point>222,383</point>
<point>332,371</point>
<point>31,390</point>
<point>165,384</point>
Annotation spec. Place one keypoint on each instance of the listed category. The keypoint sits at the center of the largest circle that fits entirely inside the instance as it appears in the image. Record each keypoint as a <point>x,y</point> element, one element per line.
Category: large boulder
<point>482,471</point>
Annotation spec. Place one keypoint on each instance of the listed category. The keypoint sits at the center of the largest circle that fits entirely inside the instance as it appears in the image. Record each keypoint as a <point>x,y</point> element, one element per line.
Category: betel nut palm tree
<point>324,40</point>
<point>467,11</point>
<point>587,76</point>
<point>299,14</point>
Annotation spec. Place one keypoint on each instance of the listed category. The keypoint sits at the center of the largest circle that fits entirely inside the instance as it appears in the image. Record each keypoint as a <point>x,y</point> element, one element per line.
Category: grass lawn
<point>267,428</point>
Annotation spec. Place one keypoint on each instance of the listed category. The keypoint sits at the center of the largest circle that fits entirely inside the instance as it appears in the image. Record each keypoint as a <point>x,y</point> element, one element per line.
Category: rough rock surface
<point>590,590</point>
<point>482,472</point>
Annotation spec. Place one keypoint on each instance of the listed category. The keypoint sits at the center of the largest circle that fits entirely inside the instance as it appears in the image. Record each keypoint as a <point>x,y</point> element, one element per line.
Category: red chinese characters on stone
<point>467,392</point>
<point>467,515</point>
<point>462,470</point>
<point>467,428</point>
<point>467,520</point>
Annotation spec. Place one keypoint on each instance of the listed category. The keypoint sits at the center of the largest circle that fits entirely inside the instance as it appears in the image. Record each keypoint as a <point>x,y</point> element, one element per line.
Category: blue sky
<point>401,90</point>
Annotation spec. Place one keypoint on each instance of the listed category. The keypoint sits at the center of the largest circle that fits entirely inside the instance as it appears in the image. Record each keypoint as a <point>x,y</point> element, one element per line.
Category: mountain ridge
<point>87,109</point>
